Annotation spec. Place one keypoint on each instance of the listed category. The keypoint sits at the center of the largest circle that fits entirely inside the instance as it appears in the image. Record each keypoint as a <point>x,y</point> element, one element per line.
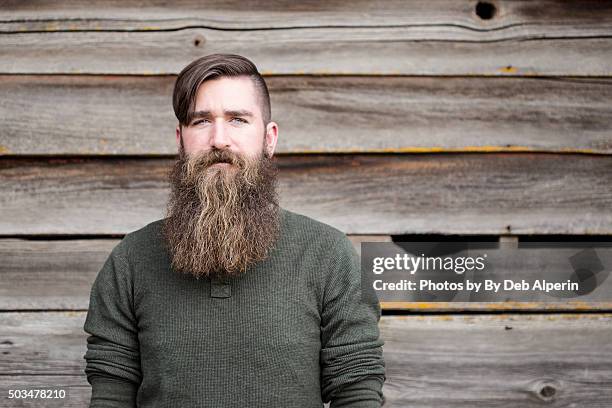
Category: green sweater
<point>293,331</point>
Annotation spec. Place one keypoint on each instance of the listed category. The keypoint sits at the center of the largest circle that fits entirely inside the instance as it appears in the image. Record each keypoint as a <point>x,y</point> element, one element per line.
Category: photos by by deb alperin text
<point>459,265</point>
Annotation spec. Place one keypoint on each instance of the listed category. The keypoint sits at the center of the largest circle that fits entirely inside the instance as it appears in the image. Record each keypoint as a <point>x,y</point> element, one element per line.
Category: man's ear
<point>178,136</point>
<point>271,137</point>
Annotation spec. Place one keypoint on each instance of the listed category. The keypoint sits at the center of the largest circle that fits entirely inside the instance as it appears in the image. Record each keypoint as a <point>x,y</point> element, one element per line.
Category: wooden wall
<point>397,118</point>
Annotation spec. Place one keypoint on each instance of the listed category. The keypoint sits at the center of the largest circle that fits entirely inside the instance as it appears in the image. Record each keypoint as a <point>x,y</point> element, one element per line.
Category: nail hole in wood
<point>548,392</point>
<point>198,41</point>
<point>485,10</point>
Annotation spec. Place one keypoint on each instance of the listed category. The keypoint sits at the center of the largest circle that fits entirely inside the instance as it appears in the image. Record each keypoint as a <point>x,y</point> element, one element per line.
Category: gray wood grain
<point>58,274</point>
<point>501,193</point>
<point>434,38</point>
<point>545,16</point>
<point>363,51</point>
<point>102,115</point>
<point>500,361</point>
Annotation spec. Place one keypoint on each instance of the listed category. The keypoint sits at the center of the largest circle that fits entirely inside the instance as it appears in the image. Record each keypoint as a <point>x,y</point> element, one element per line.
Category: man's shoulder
<point>322,244</point>
<point>143,241</point>
<point>300,226</point>
<point>151,231</point>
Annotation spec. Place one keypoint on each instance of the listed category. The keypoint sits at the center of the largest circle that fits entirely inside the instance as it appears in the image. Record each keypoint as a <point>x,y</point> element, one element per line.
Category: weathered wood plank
<point>570,17</point>
<point>102,115</point>
<point>359,194</point>
<point>498,361</point>
<point>58,274</point>
<point>431,361</point>
<point>441,38</point>
<point>325,50</point>
<point>42,343</point>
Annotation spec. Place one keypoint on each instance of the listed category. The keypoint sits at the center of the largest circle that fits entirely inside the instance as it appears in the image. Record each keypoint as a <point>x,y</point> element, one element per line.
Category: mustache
<point>206,159</point>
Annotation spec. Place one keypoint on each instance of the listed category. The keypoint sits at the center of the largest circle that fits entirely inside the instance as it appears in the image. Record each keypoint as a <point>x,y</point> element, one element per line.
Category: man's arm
<point>352,364</point>
<point>113,356</point>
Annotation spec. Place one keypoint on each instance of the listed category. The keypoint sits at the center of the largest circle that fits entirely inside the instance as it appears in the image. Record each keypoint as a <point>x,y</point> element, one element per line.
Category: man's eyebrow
<point>207,114</point>
<point>239,112</point>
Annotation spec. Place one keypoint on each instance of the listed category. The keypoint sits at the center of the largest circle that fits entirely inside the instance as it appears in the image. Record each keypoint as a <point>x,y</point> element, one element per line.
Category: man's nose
<point>220,138</point>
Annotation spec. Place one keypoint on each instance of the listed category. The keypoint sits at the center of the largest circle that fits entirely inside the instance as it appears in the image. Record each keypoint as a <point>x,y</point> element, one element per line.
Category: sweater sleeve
<point>112,356</point>
<point>352,364</point>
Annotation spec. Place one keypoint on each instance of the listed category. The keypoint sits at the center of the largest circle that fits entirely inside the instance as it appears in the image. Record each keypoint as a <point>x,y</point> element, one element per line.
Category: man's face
<point>223,212</point>
<point>228,116</point>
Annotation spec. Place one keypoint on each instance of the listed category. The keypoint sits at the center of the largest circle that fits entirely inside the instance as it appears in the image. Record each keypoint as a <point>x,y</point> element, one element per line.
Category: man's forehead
<point>231,93</point>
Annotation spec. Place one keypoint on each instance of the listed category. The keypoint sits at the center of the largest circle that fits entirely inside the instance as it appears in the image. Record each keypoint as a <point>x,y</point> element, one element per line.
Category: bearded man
<point>231,300</point>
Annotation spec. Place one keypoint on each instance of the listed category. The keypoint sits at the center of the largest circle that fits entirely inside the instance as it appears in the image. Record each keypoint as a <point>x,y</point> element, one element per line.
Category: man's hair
<point>215,66</point>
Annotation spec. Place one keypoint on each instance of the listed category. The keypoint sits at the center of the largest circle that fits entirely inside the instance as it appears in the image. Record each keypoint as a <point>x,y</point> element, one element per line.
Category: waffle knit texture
<point>293,331</point>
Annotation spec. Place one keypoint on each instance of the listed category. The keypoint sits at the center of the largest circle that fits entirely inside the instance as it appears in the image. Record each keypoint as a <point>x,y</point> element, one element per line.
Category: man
<point>231,300</point>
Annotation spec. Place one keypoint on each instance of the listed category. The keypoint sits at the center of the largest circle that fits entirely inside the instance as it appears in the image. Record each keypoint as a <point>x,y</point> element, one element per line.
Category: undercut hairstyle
<point>210,67</point>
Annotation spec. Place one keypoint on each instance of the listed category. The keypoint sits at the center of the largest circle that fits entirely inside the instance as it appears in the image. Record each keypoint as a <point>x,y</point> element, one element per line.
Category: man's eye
<point>240,120</point>
<point>199,121</point>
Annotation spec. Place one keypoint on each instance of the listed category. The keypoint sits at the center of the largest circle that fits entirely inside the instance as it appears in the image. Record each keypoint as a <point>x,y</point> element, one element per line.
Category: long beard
<point>221,219</point>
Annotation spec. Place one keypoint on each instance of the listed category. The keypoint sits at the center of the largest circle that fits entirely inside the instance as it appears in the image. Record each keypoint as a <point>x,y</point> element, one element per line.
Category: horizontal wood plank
<point>58,274</point>
<point>495,194</point>
<point>321,51</point>
<point>431,361</point>
<point>108,115</point>
<point>569,17</point>
<point>497,361</point>
<point>436,38</point>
